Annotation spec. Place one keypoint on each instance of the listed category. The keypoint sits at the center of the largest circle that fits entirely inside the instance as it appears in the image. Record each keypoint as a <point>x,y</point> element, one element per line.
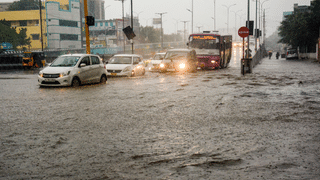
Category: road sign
<point>243,32</point>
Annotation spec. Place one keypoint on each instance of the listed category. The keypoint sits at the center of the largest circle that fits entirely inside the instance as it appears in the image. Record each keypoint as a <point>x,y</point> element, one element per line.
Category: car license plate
<point>49,80</point>
<point>113,74</point>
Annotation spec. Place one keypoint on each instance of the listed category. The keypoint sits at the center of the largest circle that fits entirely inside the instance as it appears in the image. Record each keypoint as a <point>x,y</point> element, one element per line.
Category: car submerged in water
<point>73,70</point>
<point>179,60</point>
<point>154,63</point>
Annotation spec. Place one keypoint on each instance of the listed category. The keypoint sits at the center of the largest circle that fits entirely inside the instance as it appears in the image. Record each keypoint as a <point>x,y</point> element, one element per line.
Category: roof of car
<point>183,50</point>
<point>128,55</point>
<point>78,54</point>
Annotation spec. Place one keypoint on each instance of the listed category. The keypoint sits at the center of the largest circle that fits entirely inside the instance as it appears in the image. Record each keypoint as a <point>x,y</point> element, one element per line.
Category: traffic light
<point>128,31</point>
<point>257,33</point>
<point>250,27</point>
<point>90,20</point>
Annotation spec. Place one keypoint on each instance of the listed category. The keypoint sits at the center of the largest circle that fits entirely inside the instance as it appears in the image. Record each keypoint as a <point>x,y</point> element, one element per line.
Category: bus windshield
<point>204,42</point>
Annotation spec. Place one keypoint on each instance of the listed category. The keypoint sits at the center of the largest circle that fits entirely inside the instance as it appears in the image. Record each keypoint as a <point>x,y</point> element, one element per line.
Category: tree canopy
<point>301,29</point>
<point>10,35</point>
<point>24,5</point>
<point>150,34</point>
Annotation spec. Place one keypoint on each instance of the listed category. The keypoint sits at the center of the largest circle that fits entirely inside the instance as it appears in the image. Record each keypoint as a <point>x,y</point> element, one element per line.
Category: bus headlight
<point>213,62</point>
<point>182,66</point>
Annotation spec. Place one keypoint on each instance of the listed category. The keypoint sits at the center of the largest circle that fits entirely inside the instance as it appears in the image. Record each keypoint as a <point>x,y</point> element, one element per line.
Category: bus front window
<point>204,44</point>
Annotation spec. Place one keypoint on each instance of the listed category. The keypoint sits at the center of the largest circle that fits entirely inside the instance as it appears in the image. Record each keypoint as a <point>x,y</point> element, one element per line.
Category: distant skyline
<point>203,13</point>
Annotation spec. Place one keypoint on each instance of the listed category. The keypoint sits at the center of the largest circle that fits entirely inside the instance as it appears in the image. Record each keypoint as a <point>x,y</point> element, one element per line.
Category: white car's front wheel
<point>75,82</point>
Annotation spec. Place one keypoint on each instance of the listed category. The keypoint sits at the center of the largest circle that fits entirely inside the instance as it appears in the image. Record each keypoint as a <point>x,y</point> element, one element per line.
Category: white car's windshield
<point>176,55</point>
<point>158,57</point>
<point>120,60</point>
<point>65,61</point>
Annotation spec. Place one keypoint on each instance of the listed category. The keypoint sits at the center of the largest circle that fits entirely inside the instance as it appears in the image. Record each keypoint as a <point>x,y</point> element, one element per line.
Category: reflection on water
<point>236,57</point>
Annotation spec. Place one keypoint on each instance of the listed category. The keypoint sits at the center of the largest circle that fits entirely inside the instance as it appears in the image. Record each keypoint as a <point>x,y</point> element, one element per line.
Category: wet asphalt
<point>215,124</point>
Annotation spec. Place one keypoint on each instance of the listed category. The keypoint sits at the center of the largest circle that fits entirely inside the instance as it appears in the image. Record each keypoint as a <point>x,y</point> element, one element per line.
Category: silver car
<point>73,70</point>
<point>125,65</point>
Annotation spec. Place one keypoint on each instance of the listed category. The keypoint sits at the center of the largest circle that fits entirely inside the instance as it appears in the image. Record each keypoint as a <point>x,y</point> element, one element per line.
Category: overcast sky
<point>203,12</point>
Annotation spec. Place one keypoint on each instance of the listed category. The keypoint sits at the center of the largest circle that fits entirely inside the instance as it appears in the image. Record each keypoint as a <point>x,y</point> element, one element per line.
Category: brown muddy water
<point>205,125</point>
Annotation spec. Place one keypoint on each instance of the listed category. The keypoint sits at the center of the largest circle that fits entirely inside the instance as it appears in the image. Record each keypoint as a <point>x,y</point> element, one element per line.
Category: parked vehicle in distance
<point>73,70</point>
<point>33,59</point>
<point>125,65</point>
<point>154,63</point>
<point>292,54</point>
<point>179,60</point>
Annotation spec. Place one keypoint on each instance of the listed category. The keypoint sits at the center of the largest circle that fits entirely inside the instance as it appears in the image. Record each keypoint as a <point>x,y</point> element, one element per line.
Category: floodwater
<point>205,125</point>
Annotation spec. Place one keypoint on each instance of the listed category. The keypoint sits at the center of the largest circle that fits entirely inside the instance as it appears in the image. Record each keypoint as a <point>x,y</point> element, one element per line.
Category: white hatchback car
<point>125,65</point>
<point>73,70</point>
<point>154,63</point>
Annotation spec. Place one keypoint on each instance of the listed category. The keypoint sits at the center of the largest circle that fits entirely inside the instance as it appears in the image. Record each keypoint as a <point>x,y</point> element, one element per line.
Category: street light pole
<point>161,30</point>
<point>123,37</point>
<point>256,32</point>
<point>184,31</point>
<point>248,38</point>
<point>191,16</point>
<point>261,5</point>
<point>228,7</point>
<point>235,24</point>
<point>41,38</point>
<point>132,26</point>
<point>214,15</point>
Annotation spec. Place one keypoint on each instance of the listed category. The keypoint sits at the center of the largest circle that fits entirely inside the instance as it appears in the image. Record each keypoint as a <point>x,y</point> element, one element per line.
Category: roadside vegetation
<point>302,29</point>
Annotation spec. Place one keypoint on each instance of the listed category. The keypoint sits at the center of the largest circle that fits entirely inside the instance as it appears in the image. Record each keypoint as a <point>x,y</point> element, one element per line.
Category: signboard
<point>243,32</point>
<point>6,45</point>
<point>205,37</point>
<point>156,20</point>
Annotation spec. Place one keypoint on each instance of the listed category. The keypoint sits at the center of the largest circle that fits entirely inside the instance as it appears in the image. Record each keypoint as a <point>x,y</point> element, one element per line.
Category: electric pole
<point>161,30</point>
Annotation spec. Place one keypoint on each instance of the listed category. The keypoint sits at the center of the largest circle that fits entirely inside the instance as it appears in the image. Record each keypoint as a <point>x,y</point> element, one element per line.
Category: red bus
<point>213,50</point>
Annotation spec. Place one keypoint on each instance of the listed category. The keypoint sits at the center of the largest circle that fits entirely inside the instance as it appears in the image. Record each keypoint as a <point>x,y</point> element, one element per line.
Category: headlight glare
<point>161,65</point>
<point>182,66</point>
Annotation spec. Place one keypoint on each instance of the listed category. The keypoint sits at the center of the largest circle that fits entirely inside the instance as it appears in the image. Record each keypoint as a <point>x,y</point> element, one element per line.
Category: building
<point>301,9</point>
<point>4,6</point>
<point>61,25</point>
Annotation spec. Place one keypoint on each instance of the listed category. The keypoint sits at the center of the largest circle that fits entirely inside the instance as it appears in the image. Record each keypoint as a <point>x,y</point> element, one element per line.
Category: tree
<point>10,35</point>
<point>149,34</point>
<point>24,5</point>
<point>301,29</point>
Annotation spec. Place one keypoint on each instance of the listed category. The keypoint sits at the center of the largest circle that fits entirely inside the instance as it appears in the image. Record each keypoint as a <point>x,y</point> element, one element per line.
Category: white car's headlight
<point>41,74</point>
<point>161,65</point>
<point>182,65</point>
<point>126,69</point>
<point>64,74</point>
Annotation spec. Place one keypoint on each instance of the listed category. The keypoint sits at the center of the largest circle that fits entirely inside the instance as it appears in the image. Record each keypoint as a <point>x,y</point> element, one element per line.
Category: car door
<point>95,68</point>
<point>84,72</point>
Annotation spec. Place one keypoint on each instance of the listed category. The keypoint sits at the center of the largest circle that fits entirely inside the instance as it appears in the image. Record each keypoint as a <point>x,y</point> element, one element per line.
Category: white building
<point>63,25</point>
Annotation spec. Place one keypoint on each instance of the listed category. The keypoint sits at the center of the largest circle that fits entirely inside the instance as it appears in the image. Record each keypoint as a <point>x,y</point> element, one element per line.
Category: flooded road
<point>205,125</point>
